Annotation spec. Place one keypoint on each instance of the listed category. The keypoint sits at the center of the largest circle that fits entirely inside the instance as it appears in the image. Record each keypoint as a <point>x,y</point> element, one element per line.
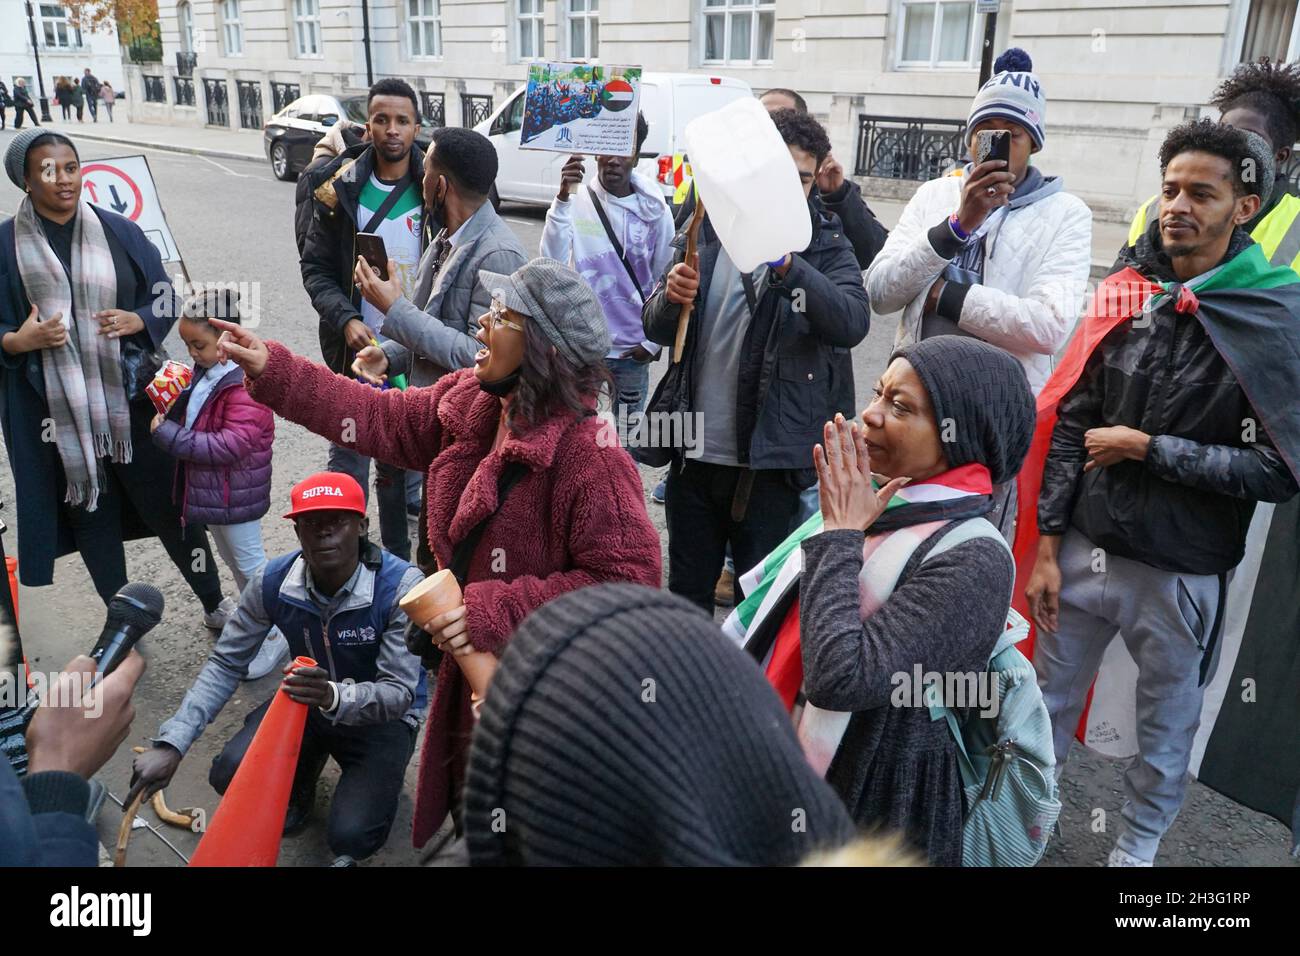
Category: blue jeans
<point>240,546</point>
<point>631,383</point>
<point>414,489</point>
<point>390,488</point>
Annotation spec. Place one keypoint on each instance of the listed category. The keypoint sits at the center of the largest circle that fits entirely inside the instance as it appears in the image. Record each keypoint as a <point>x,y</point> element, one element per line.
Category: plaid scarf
<point>83,379</point>
<point>766,622</point>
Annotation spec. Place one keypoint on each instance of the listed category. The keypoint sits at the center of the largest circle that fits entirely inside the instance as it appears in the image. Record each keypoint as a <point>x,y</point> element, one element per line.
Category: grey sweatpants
<point>1165,619</point>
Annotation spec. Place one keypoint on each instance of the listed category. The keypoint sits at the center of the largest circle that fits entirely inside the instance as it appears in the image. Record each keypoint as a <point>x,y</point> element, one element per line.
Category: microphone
<point>132,613</point>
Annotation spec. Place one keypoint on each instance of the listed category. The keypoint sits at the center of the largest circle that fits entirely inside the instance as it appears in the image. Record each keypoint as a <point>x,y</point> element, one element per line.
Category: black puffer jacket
<point>1187,507</point>
<point>329,252</point>
<point>796,370</point>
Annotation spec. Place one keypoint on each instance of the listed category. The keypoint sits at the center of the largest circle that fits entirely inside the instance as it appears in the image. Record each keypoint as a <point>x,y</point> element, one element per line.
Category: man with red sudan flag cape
<point>1171,414</point>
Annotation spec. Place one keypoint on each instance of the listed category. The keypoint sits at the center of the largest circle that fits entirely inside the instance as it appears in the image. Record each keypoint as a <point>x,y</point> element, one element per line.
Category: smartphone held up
<point>371,248</point>
<point>992,144</point>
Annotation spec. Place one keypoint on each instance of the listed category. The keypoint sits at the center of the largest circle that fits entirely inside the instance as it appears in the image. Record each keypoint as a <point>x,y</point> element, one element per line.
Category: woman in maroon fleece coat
<point>576,517</point>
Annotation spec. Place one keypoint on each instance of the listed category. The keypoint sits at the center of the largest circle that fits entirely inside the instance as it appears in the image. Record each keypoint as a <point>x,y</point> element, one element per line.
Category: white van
<point>668,101</point>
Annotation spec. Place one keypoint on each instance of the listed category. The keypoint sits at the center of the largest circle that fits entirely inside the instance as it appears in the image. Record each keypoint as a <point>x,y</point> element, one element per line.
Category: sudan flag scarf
<point>766,622</point>
<point>1251,312</point>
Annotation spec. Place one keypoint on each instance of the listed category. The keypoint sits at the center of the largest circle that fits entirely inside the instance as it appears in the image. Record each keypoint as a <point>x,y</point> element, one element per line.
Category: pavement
<point>232,221</point>
<point>197,141</point>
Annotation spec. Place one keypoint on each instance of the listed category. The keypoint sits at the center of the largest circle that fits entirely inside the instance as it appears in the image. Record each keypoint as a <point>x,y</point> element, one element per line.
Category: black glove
<point>420,643</point>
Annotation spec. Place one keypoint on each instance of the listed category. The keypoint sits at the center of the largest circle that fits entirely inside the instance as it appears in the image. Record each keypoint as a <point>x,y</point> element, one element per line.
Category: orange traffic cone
<point>248,824</point>
<point>11,565</point>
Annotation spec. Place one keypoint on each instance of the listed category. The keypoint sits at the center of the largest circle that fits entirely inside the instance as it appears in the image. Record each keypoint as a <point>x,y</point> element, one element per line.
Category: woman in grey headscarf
<point>76,283</point>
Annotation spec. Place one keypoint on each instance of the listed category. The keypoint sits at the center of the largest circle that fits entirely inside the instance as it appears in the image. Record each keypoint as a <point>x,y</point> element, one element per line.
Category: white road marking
<point>219,166</point>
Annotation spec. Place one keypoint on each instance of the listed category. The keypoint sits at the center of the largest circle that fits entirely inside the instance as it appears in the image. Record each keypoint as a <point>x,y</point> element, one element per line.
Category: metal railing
<point>185,62</point>
<point>896,147</point>
<point>434,108</point>
<point>474,108</point>
<point>184,90</point>
<point>250,103</point>
<point>217,102</point>
<point>282,94</point>
<point>155,90</point>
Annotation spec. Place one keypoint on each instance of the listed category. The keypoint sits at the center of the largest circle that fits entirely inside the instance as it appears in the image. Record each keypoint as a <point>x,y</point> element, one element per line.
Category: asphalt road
<point>233,223</point>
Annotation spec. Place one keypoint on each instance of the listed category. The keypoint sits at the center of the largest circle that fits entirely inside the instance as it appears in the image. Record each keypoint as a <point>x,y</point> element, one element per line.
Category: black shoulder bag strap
<point>618,246</point>
<point>417,640</point>
<point>389,202</point>
<point>464,552</point>
<point>745,483</point>
<point>751,294</point>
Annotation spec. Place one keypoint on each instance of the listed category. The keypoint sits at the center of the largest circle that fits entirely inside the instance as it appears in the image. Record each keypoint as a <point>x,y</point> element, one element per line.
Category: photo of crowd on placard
<point>560,93</point>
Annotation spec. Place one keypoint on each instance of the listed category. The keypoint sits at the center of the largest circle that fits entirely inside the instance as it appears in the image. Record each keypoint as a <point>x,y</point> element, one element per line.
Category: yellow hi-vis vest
<point>1278,233</point>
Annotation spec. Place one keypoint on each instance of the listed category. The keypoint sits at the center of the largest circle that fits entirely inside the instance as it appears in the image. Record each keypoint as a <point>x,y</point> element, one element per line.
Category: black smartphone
<point>371,248</point>
<point>992,144</point>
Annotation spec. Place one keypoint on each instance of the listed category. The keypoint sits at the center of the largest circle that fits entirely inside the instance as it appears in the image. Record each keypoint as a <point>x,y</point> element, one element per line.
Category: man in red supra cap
<point>335,600</point>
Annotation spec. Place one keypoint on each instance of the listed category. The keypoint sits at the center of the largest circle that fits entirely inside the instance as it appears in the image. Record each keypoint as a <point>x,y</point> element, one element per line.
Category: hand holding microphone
<point>133,612</point>
<point>88,712</point>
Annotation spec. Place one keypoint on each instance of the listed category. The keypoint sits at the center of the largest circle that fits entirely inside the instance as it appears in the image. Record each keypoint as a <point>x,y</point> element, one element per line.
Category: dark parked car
<point>291,134</point>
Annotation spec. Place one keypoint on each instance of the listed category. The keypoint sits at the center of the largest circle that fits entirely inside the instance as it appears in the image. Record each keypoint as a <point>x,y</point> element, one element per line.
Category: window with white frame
<point>424,27</point>
<point>584,29</point>
<point>306,27</point>
<point>232,31</point>
<point>1270,30</point>
<point>739,31</point>
<point>530,29</point>
<point>937,34</point>
<point>185,26</point>
<point>58,32</point>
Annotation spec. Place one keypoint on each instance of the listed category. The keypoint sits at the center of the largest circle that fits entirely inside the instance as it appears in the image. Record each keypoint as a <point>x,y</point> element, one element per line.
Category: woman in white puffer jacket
<point>997,251</point>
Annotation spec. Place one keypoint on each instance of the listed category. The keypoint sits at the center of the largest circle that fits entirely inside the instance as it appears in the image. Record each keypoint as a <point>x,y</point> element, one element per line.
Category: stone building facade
<point>891,79</point>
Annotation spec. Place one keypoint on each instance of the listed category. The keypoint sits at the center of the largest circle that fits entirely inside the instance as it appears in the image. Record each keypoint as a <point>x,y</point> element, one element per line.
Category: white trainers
<point>1119,858</point>
<point>216,618</point>
<point>273,650</point>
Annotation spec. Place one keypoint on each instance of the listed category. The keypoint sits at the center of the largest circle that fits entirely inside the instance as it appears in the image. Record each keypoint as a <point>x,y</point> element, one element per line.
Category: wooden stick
<point>692,238</point>
<point>124,831</point>
<point>183,818</point>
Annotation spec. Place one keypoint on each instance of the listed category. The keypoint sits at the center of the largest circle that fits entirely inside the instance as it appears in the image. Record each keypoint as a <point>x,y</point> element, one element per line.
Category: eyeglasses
<point>496,315</point>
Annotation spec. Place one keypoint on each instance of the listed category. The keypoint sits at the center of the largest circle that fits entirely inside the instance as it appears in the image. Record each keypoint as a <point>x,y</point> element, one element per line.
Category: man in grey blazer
<point>434,333</point>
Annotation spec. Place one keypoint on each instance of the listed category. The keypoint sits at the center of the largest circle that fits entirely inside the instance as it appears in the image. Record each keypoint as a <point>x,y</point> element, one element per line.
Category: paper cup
<point>436,594</point>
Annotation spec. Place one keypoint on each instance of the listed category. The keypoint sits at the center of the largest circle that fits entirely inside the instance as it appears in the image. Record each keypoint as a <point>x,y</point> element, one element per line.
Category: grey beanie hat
<point>560,302</point>
<point>16,154</point>
<point>1012,93</point>
<point>984,393</point>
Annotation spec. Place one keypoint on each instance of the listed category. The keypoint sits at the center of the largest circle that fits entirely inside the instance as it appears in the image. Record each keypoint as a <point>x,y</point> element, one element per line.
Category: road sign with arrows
<point>125,186</point>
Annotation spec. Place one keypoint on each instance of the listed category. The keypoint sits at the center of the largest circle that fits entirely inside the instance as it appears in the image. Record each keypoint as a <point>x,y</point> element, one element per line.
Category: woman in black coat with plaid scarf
<point>86,474</point>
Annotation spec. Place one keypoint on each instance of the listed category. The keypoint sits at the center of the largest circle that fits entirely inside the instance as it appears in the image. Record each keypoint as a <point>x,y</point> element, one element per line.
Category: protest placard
<point>578,108</point>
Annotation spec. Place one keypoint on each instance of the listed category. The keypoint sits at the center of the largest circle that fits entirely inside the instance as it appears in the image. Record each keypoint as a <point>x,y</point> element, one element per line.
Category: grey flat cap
<point>560,302</point>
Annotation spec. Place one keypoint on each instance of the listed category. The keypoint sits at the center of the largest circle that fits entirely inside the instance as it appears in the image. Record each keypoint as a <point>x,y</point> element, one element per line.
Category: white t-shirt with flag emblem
<point>400,230</point>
